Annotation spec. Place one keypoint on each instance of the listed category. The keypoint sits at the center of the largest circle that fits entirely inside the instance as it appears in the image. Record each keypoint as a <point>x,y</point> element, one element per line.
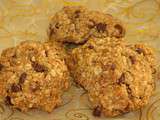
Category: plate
<point>28,20</point>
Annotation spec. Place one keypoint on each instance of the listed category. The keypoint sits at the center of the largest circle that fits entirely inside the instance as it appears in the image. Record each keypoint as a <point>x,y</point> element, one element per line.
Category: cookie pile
<point>117,76</point>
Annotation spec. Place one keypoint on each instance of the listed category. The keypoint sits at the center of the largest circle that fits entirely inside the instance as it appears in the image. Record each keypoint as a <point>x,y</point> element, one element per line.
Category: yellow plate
<point>28,20</point>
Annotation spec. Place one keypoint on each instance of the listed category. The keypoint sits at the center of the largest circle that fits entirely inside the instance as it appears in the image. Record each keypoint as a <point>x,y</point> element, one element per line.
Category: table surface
<point>28,20</point>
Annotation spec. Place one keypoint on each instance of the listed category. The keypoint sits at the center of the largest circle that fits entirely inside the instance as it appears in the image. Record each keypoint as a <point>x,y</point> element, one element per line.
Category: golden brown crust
<point>34,75</point>
<point>118,78</point>
<point>77,24</point>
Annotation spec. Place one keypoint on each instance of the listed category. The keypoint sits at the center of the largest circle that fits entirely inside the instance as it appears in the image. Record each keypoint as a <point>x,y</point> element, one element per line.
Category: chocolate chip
<point>57,25</point>
<point>15,88</point>
<point>77,13</point>
<point>129,91</point>
<point>113,66</point>
<point>97,111</point>
<point>22,78</point>
<point>38,67</point>
<point>90,46</point>
<point>101,27</point>
<point>14,56</point>
<point>1,67</point>
<point>121,79</point>
<point>46,53</point>
<point>120,31</point>
<point>139,50</point>
<point>8,100</point>
<point>153,70</point>
<point>133,59</point>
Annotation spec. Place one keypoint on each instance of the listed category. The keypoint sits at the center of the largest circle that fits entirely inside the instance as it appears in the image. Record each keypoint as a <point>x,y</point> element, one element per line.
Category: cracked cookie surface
<point>33,75</point>
<point>117,76</point>
<point>77,24</point>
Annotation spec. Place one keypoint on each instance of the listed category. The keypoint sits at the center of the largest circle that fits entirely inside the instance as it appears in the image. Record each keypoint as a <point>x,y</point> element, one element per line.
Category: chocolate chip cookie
<point>76,24</point>
<point>33,75</point>
<point>117,76</point>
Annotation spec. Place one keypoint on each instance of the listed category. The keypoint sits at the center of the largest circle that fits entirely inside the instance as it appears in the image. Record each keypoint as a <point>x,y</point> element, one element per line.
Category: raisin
<point>133,59</point>
<point>139,50</point>
<point>14,56</point>
<point>121,79</point>
<point>97,111</point>
<point>22,78</point>
<point>15,88</point>
<point>153,70</point>
<point>120,31</point>
<point>77,13</point>
<point>57,25</point>
<point>1,67</point>
<point>38,67</point>
<point>46,53</point>
<point>8,100</point>
<point>90,46</point>
<point>101,27</point>
<point>113,66</point>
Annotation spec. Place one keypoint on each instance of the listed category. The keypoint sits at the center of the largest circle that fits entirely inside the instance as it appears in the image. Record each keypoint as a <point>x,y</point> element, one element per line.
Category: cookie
<point>117,76</point>
<point>76,24</point>
<point>33,75</point>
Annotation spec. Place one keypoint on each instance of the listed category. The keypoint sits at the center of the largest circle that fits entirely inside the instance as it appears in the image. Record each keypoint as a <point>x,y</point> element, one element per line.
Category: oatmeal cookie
<point>117,76</point>
<point>33,75</point>
<point>76,24</point>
